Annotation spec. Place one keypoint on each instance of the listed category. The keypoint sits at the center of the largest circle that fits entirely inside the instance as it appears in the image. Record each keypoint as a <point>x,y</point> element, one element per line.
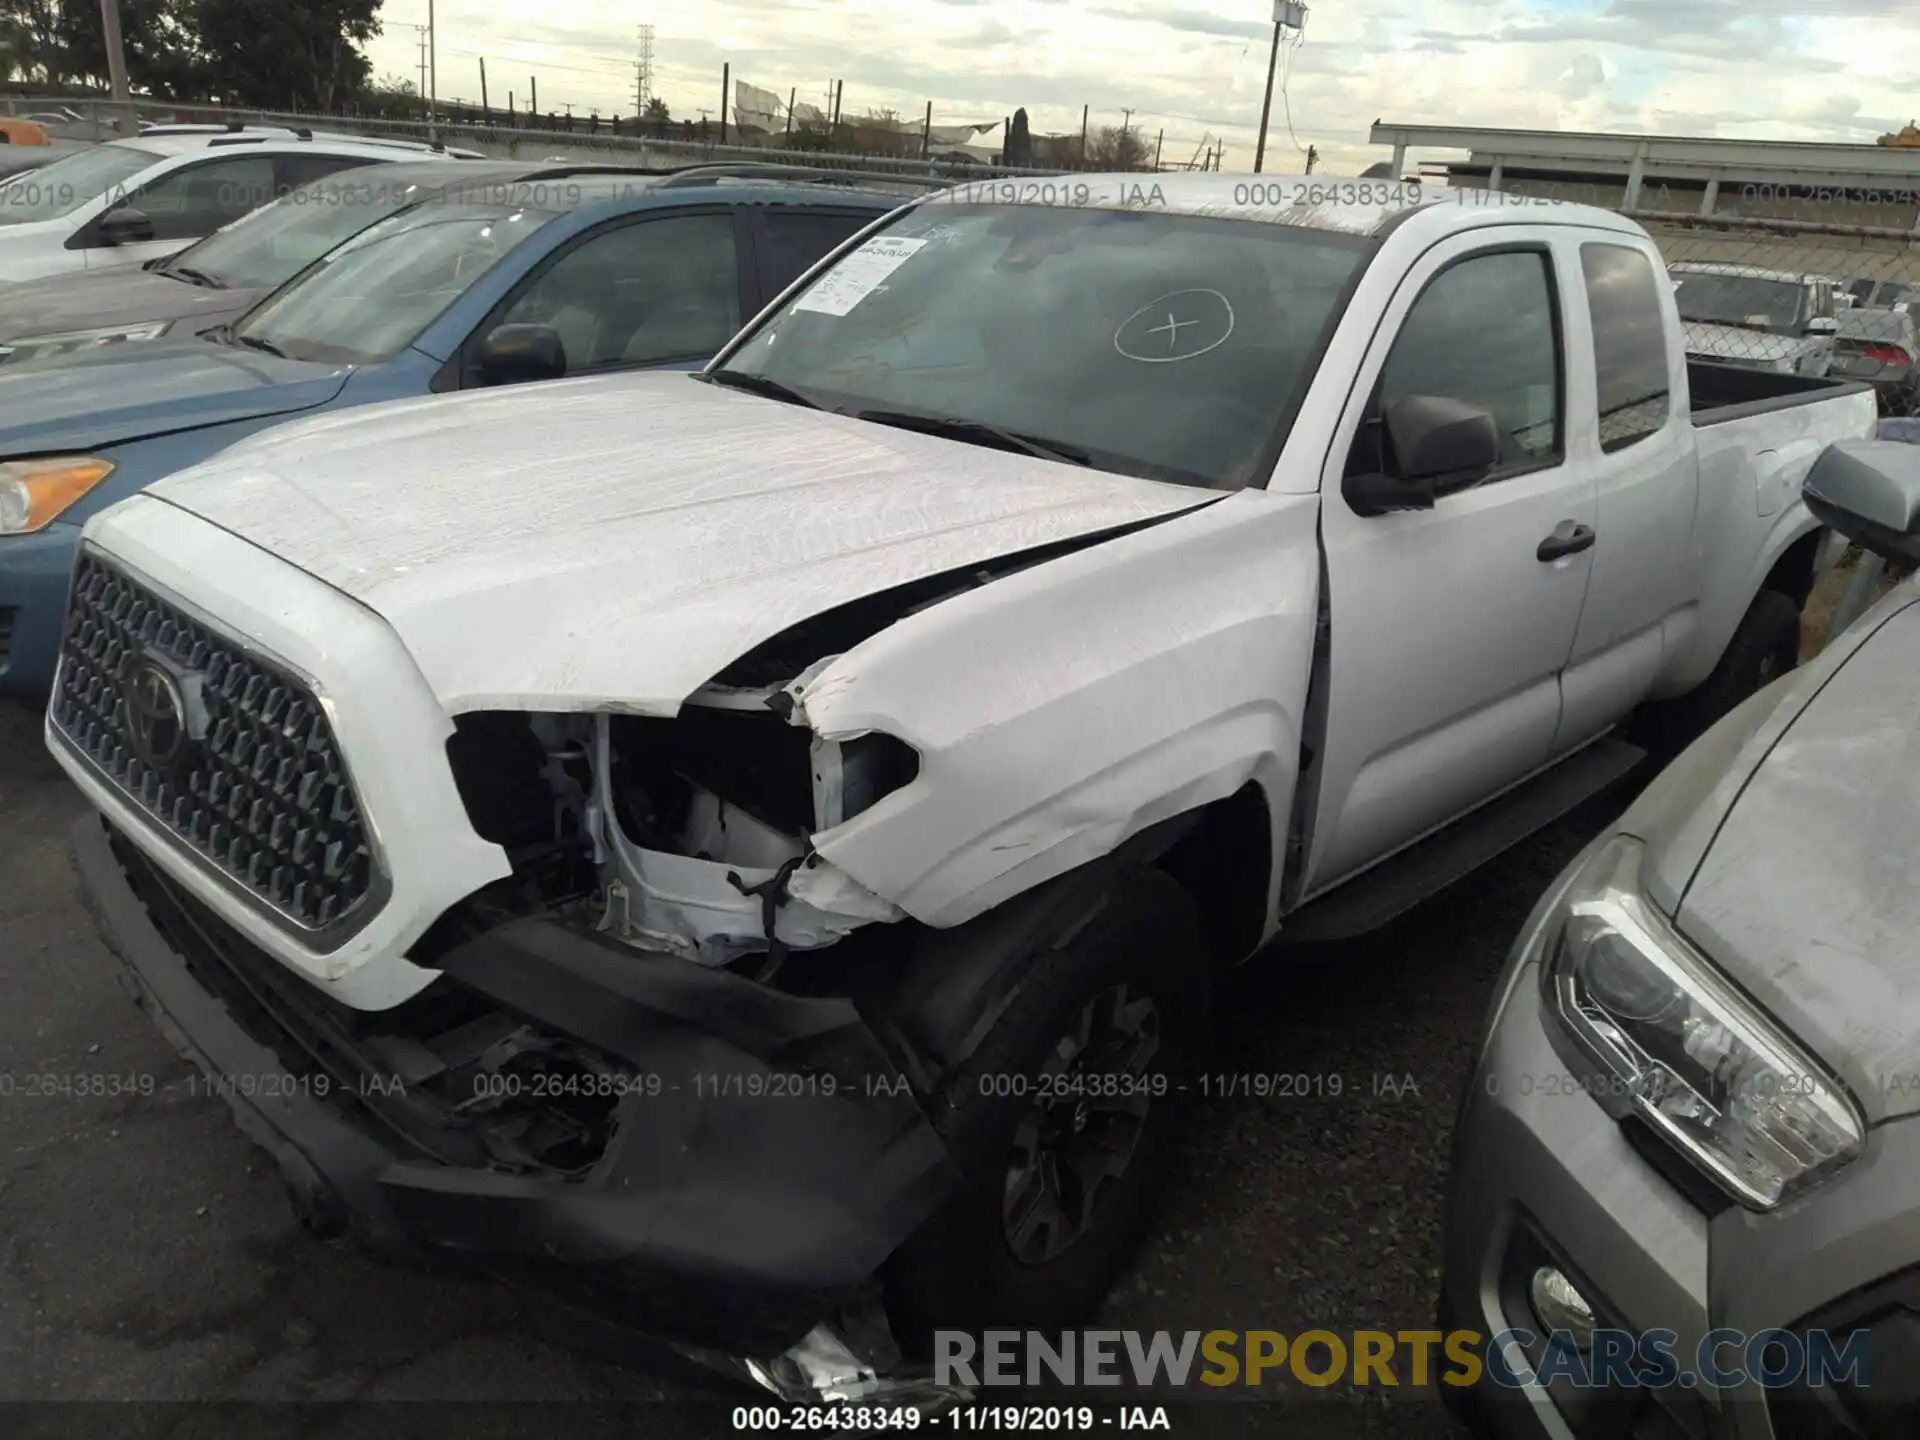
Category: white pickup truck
<point>756,847</point>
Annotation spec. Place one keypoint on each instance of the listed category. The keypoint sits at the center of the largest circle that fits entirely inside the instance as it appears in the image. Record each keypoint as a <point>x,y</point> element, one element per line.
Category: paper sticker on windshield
<point>859,275</point>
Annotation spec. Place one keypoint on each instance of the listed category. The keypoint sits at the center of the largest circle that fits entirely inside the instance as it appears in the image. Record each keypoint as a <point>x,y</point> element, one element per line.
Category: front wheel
<point>1063,1122</point>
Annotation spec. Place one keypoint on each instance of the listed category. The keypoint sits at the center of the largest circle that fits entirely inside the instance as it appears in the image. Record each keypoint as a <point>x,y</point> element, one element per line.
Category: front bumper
<point>35,571</point>
<point>723,1213</point>
<point>1542,1176</point>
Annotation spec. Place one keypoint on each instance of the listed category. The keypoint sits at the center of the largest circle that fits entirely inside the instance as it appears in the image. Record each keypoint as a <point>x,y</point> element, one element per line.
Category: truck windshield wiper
<point>254,342</point>
<point>977,432</point>
<point>759,385</point>
<point>193,276</point>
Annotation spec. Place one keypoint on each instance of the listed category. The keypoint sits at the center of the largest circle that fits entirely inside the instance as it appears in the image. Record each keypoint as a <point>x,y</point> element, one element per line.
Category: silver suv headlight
<point>42,347</point>
<point>1692,1056</point>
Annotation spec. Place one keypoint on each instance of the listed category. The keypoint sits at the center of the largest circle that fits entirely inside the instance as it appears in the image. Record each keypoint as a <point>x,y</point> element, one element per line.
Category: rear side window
<point>1629,344</point>
<point>298,170</point>
<point>797,238</point>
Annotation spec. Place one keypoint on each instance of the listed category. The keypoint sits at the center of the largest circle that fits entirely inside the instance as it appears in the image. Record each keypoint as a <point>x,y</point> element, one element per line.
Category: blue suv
<point>569,274</point>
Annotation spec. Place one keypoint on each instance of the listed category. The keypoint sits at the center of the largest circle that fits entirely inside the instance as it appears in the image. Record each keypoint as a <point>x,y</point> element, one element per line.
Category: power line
<point>1286,77</point>
<point>607,70</point>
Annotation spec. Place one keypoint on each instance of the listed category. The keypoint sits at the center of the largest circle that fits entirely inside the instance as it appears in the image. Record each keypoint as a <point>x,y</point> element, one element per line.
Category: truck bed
<point>1729,392</point>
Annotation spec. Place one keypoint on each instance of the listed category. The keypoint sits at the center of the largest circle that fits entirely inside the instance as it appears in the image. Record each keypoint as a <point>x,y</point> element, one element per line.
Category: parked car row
<point>125,202</point>
<point>467,274</point>
<point>756,841</point>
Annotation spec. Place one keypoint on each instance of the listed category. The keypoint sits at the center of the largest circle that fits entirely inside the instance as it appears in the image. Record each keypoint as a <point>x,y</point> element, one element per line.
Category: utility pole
<point>1158,141</point>
<point>533,96</point>
<point>123,121</point>
<point>1266,105</point>
<point>793,92</point>
<point>1287,15</point>
<point>726,97</point>
<point>1085,110</point>
<point>433,76</point>
<point>926,133</point>
<point>420,34</point>
<point>484,113</point>
<point>839,94</point>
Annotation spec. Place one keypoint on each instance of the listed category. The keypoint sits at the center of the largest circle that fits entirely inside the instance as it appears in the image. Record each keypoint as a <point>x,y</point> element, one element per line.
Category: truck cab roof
<point>1361,207</point>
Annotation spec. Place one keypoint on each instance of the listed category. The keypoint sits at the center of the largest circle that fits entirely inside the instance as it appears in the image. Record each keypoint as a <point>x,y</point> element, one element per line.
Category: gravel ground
<point>149,1254</point>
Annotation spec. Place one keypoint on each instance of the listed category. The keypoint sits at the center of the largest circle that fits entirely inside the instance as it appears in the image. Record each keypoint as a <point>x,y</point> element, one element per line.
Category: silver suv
<point>1685,1196</point>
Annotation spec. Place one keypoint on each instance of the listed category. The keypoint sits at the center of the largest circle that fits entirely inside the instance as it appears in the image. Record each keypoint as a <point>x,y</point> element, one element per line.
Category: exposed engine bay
<point>689,836</point>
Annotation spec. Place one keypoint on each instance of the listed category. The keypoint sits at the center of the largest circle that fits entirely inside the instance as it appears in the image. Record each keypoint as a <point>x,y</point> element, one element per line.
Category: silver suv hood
<point>614,542</point>
<point>1808,894</point>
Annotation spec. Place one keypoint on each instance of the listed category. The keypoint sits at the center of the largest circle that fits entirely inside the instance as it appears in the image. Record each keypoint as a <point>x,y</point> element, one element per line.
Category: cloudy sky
<point>1778,69</point>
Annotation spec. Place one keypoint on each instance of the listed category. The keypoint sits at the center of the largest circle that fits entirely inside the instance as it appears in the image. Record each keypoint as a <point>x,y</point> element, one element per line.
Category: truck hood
<point>1732,342</point>
<point>612,543</point>
<point>1806,894</point>
<point>96,399</point>
<point>133,296</point>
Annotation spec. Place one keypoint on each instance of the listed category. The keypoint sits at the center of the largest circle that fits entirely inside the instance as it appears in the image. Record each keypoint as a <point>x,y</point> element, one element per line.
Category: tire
<point>975,1266</point>
<point>1764,647</point>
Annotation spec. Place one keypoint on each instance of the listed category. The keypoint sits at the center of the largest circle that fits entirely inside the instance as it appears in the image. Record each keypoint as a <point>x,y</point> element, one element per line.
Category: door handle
<point>1569,539</point>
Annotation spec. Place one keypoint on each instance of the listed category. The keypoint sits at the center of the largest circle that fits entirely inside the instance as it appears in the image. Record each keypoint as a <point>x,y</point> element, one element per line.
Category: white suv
<point>126,202</point>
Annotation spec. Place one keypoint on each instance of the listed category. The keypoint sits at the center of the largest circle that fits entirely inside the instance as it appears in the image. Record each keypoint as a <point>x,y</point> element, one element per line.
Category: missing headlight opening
<point>689,836</point>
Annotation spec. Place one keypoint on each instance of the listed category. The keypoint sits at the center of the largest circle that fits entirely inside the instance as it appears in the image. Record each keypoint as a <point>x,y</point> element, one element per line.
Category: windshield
<point>276,242</point>
<point>1169,346</point>
<point>1739,300</point>
<point>58,189</point>
<point>371,298</point>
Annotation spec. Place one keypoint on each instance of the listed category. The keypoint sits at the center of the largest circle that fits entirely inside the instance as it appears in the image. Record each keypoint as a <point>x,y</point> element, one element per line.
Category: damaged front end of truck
<point>676,1066</point>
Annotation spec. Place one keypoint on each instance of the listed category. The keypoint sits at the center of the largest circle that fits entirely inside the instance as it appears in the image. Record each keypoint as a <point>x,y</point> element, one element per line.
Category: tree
<point>16,49</point>
<point>1116,148</point>
<point>391,97</point>
<point>657,113</point>
<point>30,45</point>
<point>300,55</point>
<point>156,36</point>
<point>1019,146</point>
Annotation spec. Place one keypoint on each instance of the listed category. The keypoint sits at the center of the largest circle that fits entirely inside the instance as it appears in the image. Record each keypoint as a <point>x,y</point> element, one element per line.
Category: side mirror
<point>125,226</point>
<point>512,354</point>
<point>1869,491</point>
<point>1823,325</point>
<point>1431,440</point>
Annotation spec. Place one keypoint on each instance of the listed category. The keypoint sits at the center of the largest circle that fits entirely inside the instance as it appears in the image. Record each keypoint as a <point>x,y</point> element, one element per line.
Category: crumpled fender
<point>1063,709</point>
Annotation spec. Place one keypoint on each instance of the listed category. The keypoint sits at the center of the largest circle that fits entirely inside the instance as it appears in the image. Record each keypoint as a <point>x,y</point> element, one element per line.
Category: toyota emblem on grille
<point>156,715</point>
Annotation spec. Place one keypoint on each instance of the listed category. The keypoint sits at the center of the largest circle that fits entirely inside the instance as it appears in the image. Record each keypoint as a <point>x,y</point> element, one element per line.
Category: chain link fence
<point>1791,279</point>
<point>1799,297</point>
<point>530,138</point>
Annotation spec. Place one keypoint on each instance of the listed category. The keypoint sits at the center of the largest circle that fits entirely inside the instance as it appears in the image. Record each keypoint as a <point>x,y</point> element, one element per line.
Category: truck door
<point>1641,450</point>
<point>1450,626</point>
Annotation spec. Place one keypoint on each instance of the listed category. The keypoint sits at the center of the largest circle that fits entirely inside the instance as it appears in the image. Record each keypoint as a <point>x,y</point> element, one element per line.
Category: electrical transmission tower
<point>421,31</point>
<point>643,72</point>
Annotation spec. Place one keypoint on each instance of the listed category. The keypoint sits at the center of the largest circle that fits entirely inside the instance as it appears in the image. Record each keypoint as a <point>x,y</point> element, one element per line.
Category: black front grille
<point>261,793</point>
<point>6,632</point>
